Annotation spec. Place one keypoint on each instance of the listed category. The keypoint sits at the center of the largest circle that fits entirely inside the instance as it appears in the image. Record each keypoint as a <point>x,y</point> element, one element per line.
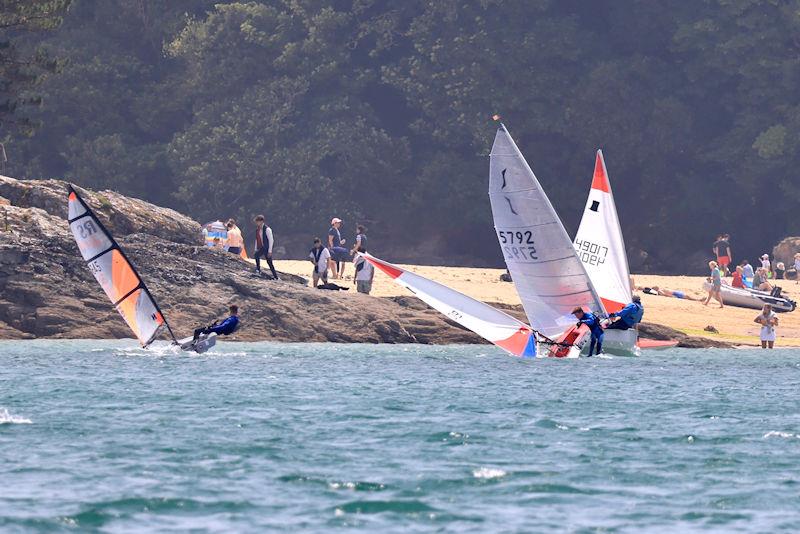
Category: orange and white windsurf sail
<point>599,242</point>
<point>496,326</point>
<point>115,273</point>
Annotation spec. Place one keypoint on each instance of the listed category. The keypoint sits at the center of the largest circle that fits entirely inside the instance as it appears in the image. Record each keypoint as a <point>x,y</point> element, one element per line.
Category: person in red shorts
<point>722,249</point>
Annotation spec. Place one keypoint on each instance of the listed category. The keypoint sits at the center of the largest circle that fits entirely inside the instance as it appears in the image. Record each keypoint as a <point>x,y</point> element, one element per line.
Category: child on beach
<point>716,284</point>
<point>768,321</point>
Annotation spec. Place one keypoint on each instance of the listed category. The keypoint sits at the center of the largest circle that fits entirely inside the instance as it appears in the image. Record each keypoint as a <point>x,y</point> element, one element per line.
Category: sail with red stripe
<point>115,273</point>
<point>599,242</point>
<point>495,326</point>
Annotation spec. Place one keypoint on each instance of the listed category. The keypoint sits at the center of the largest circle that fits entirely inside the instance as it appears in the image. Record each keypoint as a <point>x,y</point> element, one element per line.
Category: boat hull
<point>750,298</point>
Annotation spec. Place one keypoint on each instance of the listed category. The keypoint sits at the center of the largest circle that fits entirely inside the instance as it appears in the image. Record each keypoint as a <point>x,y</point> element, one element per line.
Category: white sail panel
<point>115,273</point>
<point>599,242</point>
<point>91,241</point>
<point>549,277</point>
<point>498,327</point>
<point>142,316</point>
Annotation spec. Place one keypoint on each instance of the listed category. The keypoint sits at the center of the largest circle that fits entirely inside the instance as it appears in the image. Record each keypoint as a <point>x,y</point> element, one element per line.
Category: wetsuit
<point>628,317</point>
<point>592,321</point>
<point>225,328</point>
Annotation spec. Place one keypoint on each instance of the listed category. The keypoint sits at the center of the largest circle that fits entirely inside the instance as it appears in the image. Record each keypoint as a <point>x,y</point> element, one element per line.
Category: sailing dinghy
<point>119,279</point>
<point>548,275</point>
<point>601,249</point>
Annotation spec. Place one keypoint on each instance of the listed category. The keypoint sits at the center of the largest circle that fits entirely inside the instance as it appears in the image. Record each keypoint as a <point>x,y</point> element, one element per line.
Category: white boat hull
<point>201,345</point>
<point>750,298</point>
<point>618,343</point>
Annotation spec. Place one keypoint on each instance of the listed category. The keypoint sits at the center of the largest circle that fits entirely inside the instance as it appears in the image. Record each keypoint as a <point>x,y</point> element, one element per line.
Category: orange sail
<point>115,273</point>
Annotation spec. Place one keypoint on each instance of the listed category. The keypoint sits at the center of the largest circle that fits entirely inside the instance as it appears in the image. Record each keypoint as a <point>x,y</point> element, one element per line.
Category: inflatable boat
<point>751,298</point>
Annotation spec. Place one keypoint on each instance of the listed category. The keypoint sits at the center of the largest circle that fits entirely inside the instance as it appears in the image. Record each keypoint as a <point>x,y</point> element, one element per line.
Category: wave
<point>7,418</point>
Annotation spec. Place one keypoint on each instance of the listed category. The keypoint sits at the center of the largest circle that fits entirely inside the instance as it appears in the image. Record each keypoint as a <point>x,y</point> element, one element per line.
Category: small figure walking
<point>768,321</point>
<point>716,284</point>
<point>264,242</point>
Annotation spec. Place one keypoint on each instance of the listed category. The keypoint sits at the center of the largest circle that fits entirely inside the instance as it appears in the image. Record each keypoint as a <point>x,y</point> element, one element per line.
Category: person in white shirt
<point>319,256</point>
<point>365,272</point>
<point>263,246</point>
<point>768,321</point>
<point>766,264</point>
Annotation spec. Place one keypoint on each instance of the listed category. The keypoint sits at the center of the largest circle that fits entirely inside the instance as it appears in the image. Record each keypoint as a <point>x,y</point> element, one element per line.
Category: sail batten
<point>547,273</point>
<point>115,273</point>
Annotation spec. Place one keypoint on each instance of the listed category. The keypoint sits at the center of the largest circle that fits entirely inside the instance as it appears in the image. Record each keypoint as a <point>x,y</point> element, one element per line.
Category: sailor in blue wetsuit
<point>593,322</point>
<point>627,317</point>
<point>225,328</point>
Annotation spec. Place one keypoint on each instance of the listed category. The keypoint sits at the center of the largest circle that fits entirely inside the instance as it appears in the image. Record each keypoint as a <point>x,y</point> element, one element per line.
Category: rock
<point>4,201</point>
<point>46,290</point>
<point>661,332</point>
<point>785,251</point>
<point>712,329</point>
<point>121,215</point>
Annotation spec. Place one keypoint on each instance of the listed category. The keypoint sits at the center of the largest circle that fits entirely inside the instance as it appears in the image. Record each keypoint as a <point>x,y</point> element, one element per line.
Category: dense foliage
<point>379,111</point>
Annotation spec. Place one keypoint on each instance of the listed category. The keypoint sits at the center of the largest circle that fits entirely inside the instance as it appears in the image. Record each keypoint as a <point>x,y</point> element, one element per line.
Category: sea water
<point>256,437</point>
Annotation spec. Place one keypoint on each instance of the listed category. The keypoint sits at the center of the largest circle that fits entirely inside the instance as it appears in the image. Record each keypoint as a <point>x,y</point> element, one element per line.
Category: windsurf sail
<point>599,242</point>
<point>547,273</point>
<point>115,273</point>
<point>495,326</point>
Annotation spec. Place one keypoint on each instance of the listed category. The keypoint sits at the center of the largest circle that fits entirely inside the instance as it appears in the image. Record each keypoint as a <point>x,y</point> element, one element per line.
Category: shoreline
<point>735,325</point>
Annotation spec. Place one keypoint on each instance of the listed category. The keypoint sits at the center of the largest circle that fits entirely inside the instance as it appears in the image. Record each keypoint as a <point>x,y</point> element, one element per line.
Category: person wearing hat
<point>628,317</point>
<point>339,254</point>
<point>765,263</point>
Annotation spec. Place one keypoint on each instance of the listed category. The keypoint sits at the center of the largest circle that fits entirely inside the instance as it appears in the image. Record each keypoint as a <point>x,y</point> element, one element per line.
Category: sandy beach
<point>734,324</point>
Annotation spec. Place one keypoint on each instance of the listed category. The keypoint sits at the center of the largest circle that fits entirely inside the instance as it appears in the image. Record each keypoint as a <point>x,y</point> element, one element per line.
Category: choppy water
<point>258,437</point>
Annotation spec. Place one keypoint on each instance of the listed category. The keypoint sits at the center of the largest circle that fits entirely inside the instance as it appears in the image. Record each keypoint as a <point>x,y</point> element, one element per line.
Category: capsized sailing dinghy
<point>495,326</point>
<point>548,275</point>
<point>118,277</point>
<point>601,249</point>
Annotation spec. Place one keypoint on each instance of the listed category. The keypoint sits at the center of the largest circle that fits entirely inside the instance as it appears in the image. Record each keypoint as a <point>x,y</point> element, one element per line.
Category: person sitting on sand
<point>737,277</point>
<point>760,280</point>
<point>780,270</point>
<point>627,317</point>
<point>747,273</point>
<point>768,321</point>
<point>225,328</point>
<point>716,284</point>
<point>319,256</point>
<point>593,322</point>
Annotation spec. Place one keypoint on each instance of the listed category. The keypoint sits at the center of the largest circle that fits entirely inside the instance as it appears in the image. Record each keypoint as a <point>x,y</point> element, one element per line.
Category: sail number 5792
<point>517,245</point>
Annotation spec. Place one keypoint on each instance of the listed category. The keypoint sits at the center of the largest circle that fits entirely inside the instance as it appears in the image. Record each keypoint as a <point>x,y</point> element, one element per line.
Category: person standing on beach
<point>365,273</point>
<point>765,263</point>
<point>263,245</point>
<point>716,284</point>
<point>235,241</point>
<point>722,250</point>
<point>337,251</point>
<point>361,239</point>
<point>320,257</point>
<point>797,267</point>
<point>768,321</point>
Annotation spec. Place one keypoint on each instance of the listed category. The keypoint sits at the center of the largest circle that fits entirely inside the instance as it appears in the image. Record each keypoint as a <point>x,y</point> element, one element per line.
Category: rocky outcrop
<point>785,251</point>
<point>661,332</point>
<point>47,291</point>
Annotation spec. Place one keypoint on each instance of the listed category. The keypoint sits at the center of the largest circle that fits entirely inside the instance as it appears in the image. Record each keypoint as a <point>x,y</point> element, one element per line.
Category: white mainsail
<point>599,242</point>
<point>547,273</point>
<point>114,272</point>
<point>496,326</point>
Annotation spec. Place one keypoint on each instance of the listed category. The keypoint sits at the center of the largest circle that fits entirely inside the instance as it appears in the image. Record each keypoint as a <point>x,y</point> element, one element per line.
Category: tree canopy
<point>380,112</point>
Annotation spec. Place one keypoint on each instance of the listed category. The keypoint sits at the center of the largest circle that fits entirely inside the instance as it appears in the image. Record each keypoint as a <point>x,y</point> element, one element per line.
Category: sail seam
<point>131,292</point>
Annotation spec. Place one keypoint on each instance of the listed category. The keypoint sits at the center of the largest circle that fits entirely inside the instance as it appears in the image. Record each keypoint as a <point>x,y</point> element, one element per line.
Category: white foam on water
<point>488,472</point>
<point>9,419</point>
<point>779,434</point>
